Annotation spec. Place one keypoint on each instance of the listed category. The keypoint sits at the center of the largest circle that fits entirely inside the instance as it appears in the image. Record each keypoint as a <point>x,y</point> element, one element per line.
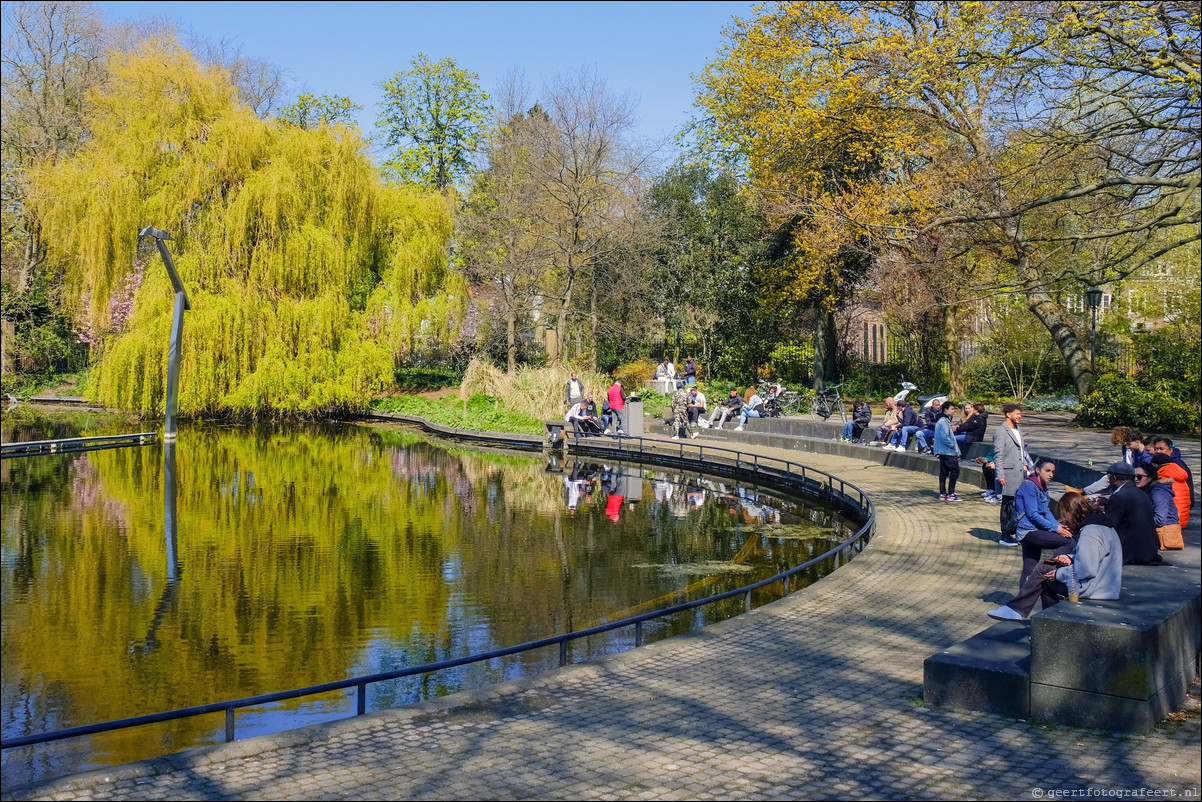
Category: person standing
<point>690,371</point>
<point>949,454</point>
<point>617,404</point>
<point>573,391</point>
<point>680,411</point>
<point>1013,464</point>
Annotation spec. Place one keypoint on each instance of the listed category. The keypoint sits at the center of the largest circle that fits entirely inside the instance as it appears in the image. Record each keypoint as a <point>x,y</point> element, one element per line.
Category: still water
<point>295,556</point>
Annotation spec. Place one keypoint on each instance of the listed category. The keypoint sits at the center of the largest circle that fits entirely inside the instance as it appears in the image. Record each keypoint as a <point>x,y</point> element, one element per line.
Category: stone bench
<point>1118,665</point>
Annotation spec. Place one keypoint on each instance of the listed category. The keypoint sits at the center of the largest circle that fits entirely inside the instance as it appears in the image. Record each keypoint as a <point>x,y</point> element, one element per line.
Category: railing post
<point>229,724</point>
<point>563,653</point>
<point>747,602</point>
<point>638,634</point>
<point>361,705</point>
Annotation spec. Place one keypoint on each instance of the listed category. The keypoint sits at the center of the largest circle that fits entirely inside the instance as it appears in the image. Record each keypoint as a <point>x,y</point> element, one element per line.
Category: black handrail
<point>865,507</point>
<point>37,447</point>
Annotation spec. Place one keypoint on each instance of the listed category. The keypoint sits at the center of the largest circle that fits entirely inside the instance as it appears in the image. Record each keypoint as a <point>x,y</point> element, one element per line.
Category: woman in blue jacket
<point>1038,529</point>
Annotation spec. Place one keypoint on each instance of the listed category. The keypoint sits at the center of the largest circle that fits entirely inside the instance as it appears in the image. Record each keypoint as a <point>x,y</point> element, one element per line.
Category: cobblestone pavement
<point>815,696</point>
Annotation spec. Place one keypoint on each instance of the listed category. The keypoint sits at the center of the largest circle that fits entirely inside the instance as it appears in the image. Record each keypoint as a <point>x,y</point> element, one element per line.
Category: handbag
<point>1170,537</point>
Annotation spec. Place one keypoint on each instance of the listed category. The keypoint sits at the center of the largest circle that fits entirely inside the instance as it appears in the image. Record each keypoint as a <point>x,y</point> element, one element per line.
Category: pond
<point>291,556</point>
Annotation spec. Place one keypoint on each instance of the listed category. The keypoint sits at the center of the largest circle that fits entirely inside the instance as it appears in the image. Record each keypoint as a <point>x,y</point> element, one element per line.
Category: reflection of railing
<point>76,444</point>
<point>783,474</point>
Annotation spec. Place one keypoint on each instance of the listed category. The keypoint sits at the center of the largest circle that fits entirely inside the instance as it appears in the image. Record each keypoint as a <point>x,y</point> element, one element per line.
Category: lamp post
<point>1094,294</point>
<point>177,327</point>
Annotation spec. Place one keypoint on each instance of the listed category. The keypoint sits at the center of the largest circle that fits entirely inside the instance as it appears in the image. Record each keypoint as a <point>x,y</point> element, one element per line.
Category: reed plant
<point>537,392</point>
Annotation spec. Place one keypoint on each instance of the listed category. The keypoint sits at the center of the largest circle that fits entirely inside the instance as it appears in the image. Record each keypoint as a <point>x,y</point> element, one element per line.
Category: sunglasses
<point>1142,476</point>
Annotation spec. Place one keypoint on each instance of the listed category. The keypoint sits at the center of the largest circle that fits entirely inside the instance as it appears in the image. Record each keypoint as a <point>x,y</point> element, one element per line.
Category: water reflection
<point>247,560</point>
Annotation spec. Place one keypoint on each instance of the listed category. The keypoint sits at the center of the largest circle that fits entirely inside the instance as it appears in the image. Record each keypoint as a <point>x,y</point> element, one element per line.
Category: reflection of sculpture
<point>151,642</point>
<point>177,327</point>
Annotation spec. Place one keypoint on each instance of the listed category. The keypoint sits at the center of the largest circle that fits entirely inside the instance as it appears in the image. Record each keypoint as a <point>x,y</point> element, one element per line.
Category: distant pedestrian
<point>949,454</point>
<point>573,391</point>
<point>680,411</point>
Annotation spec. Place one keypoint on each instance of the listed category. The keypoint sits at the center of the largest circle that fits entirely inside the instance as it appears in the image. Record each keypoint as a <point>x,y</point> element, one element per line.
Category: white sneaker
<point>1005,613</point>
<point>696,435</point>
<point>675,437</point>
<point>738,428</point>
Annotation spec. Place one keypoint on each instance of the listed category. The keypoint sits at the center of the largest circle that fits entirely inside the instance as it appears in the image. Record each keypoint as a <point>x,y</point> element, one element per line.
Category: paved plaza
<point>818,696</point>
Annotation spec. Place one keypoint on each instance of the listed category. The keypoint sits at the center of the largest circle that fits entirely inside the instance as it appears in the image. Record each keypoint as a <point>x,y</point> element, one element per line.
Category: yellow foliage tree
<point>308,277</point>
<point>1058,138</point>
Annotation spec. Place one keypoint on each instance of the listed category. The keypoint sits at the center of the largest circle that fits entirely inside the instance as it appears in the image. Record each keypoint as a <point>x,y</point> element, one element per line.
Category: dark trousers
<point>1034,542</point>
<point>949,472</point>
<point>1037,588</point>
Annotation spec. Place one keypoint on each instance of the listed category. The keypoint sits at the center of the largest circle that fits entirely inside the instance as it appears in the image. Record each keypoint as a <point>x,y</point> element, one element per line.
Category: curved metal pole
<point>177,327</point>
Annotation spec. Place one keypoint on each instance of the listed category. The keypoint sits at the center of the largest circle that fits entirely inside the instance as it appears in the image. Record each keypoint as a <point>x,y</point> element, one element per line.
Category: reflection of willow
<point>296,551</point>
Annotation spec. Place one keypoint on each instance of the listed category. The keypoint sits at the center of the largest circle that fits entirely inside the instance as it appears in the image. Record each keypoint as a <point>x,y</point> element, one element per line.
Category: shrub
<point>1116,400</point>
<point>634,375</point>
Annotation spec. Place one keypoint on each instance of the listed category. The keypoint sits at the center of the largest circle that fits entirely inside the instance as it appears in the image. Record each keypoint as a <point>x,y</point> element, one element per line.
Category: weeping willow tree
<point>310,279</point>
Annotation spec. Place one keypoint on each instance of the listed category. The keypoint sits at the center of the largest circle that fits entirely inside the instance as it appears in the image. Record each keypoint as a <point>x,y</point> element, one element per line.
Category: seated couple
<point>585,418</point>
<point>1094,569</point>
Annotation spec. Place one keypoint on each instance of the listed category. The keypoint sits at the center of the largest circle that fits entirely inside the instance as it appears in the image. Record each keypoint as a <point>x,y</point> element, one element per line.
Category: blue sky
<point>648,49</point>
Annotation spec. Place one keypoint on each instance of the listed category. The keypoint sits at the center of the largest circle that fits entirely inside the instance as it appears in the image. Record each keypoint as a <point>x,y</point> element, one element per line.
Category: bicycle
<point>790,402</point>
<point>826,402</point>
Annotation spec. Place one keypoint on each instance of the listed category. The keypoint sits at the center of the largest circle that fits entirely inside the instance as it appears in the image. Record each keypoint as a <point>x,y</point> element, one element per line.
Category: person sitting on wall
<point>971,428</point>
<point>1132,515</point>
<point>696,406</point>
<point>1093,571</point>
<point>889,425</point>
<point>924,436</point>
<point>730,408</point>
<point>754,408</point>
<point>861,416</point>
<point>907,421</point>
<point>584,417</point>
<point>665,370</point>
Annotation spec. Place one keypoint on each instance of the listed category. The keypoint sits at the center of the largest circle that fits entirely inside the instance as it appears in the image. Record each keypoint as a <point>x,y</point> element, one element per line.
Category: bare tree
<point>262,86</point>
<point>53,53</point>
<point>589,182</point>
<point>503,246</point>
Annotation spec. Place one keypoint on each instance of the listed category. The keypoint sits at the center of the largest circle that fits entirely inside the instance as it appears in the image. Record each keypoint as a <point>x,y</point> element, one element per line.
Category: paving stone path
<point>818,696</point>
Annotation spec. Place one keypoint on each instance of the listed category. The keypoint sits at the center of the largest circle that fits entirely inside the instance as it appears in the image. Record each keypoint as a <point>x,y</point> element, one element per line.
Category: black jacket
<point>1135,521</point>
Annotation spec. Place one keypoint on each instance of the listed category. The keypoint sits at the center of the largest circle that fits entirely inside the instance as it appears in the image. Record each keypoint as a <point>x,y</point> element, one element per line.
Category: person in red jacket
<point>1166,468</point>
<point>617,403</point>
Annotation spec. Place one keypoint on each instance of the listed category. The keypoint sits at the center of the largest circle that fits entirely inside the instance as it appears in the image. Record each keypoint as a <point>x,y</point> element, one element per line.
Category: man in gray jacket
<point>1013,464</point>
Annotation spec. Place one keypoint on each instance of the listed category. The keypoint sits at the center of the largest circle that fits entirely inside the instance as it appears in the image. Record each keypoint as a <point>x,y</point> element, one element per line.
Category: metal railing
<point>34,447</point>
<point>781,473</point>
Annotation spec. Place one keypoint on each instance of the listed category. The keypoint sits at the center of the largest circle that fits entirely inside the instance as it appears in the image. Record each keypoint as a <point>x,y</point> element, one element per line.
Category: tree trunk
<point>511,342</point>
<point>955,367</point>
<point>1076,358</point>
<point>825,342</point>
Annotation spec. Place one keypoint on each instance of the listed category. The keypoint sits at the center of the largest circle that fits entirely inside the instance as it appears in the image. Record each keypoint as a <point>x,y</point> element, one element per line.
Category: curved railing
<point>780,473</point>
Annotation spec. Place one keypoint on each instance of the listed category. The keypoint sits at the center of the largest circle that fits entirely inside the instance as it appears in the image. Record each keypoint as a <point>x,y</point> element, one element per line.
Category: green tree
<point>309,280</point>
<point>311,111</point>
<point>434,115</point>
<point>709,238</point>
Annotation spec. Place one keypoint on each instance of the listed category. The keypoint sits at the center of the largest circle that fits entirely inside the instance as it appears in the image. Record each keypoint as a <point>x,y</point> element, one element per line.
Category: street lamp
<point>1094,294</point>
<point>177,327</point>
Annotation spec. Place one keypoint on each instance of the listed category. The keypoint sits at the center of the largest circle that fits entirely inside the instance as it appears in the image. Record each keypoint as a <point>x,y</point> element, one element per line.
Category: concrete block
<point>1134,647</point>
<point>989,672</point>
